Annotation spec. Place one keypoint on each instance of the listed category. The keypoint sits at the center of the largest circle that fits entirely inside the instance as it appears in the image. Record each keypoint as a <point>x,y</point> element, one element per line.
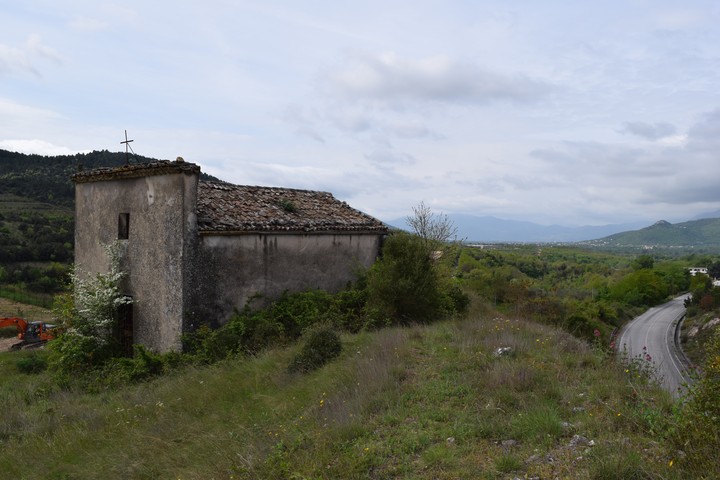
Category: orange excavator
<point>31,334</point>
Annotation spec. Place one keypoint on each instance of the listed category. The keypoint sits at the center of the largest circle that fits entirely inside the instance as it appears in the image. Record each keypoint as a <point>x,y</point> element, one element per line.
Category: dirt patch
<point>6,343</point>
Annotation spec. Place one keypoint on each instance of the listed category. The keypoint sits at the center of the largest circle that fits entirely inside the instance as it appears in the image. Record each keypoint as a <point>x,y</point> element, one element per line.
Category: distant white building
<point>695,270</point>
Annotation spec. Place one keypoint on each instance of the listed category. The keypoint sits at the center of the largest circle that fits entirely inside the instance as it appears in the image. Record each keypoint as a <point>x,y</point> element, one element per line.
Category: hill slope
<point>704,232</point>
<point>37,201</point>
<point>47,178</point>
<point>431,402</point>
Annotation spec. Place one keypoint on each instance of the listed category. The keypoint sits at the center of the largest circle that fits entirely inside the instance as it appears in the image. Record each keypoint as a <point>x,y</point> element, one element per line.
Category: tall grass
<point>420,402</point>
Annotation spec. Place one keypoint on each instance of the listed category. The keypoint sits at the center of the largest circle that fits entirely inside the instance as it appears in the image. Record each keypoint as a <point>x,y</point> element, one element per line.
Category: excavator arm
<point>16,322</point>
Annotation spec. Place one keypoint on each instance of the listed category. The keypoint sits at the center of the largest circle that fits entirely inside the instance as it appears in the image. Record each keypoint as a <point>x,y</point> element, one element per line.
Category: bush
<point>89,334</point>
<point>322,345</point>
<point>31,364</point>
<point>457,301</point>
<point>403,285</point>
<point>284,321</point>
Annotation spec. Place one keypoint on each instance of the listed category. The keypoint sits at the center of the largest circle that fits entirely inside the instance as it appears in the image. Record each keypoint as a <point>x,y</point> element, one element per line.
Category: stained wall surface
<point>162,229</point>
<point>238,267</point>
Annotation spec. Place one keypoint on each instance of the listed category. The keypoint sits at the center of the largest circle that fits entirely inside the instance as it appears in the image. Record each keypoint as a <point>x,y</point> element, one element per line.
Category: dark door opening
<point>125,322</point>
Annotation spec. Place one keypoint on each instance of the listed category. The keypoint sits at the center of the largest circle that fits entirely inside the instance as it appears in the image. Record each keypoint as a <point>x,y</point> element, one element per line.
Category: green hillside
<point>37,201</point>
<point>695,233</point>
<point>425,402</point>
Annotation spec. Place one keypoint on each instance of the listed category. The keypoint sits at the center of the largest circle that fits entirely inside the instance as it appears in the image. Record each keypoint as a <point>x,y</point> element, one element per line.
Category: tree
<point>643,262</point>
<point>435,230</point>
<point>714,270</point>
<point>403,286</point>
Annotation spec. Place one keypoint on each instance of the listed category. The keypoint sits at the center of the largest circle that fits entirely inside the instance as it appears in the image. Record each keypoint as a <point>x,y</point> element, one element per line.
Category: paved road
<point>653,334</point>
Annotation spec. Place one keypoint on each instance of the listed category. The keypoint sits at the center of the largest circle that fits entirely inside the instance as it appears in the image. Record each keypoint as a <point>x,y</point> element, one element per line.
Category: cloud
<point>414,131</point>
<point>14,112</point>
<point>21,59</point>
<point>388,156</point>
<point>601,161</point>
<point>304,122</point>
<point>705,133</point>
<point>654,131</point>
<point>390,78</point>
<point>34,45</point>
<point>38,147</point>
<point>674,175</point>
<point>87,24</point>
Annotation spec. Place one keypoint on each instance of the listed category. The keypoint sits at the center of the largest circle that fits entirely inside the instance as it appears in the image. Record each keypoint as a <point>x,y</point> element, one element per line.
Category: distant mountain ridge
<point>693,233</point>
<point>487,229</point>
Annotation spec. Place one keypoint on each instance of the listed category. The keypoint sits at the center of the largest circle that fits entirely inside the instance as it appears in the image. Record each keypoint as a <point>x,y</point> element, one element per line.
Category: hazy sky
<point>571,112</point>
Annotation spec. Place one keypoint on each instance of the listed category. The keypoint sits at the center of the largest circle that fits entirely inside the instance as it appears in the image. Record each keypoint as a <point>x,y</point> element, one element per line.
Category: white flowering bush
<point>89,317</point>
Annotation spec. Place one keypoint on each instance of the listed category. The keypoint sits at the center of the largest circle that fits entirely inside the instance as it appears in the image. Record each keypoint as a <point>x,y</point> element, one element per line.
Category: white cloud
<point>35,45</point>
<point>13,111</point>
<point>39,147</point>
<point>654,131</point>
<point>389,156</point>
<point>22,59</point>
<point>390,78</point>
<point>87,24</point>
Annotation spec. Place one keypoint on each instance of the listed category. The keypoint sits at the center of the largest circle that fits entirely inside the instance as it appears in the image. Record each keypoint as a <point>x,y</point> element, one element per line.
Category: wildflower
<point>596,333</point>
<point>670,463</point>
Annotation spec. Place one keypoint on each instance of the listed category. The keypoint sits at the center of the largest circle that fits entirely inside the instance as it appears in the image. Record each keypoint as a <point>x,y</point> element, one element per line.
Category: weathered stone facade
<point>194,251</point>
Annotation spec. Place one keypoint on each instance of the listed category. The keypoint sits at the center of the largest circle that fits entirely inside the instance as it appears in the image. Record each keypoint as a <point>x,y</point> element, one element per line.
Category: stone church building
<point>196,250</point>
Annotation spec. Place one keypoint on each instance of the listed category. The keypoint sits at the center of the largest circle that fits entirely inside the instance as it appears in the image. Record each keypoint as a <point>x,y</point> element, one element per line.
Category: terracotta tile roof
<point>226,208</point>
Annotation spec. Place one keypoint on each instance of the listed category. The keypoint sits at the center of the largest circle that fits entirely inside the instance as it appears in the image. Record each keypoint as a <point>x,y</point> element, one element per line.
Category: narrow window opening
<point>123,226</point>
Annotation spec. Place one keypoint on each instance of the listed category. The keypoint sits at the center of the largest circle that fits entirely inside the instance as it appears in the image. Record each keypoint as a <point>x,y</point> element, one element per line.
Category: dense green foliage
<point>404,286</point>
<point>580,290</point>
<point>27,235</point>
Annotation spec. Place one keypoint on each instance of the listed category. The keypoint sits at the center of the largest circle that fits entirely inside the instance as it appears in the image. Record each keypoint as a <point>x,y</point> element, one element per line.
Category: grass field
<point>10,308</point>
<point>432,402</point>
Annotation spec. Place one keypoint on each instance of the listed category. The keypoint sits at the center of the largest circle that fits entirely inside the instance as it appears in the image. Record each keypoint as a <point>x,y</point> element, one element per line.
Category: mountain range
<point>703,230</point>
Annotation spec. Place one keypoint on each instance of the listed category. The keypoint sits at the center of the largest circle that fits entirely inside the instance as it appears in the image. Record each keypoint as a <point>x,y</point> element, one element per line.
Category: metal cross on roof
<point>126,142</point>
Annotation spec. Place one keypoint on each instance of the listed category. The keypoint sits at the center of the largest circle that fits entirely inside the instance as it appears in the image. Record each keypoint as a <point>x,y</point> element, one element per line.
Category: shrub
<point>322,345</point>
<point>456,300</point>
<point>31,364</point>
<point>90,319</point>
<point>403,285</point>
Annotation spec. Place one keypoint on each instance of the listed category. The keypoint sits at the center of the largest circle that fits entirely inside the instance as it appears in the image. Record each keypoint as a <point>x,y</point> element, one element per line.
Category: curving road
<point>652,336</point>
